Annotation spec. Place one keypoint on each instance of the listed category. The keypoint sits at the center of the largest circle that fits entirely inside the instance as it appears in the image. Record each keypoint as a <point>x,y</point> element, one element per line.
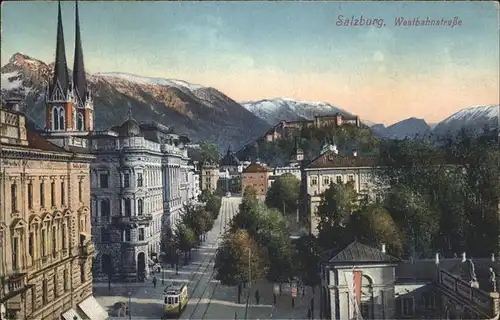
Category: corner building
<point>140,182</point>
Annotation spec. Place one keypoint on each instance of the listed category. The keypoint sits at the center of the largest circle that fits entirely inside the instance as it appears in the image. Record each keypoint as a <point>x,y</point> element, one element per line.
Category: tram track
<point>207,307</point>
<point>223,223</point>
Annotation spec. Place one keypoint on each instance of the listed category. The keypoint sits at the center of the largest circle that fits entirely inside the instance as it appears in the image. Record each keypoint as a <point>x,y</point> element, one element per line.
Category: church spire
<point>79,80</point>
<point>61,77</point>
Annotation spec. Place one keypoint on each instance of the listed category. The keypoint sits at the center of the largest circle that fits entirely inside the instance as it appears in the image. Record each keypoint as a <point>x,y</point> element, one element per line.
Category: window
<point>53,194</point>
<point>80,122</point>
<point>128,208</point>
<point>63,194</point>
<point>339,179</point>
<point>126,180</point>
<point>82,273</point>
<point>127,235</point>
<point>31,244</point>
<point>407,306</point>
<point>104,235</point>
<point>326,181</point>
<point>54,240</point>
<point>141,234</point>
<point>314,181</point>
<point>65,280</point>
<point>15,253</point>
<point>105,208</point>
<point>176,300</point>
<point>42,194</point>
<point>30,195</point>
<point>429,300</point>
<point>80,191</point>
<point>63,236</point>
<point>139,180</point>
<point>140,206</point>
<point>56,293</point>
<point>45,292</point>
<point>13,196</point>
<point>44,234</point>
<point>103,180</point>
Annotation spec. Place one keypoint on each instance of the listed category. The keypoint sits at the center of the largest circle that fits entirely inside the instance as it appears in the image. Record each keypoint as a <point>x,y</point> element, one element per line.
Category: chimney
<point>14,105</point>
<point>383,247</point>
<point>437,258</point>
<point>493,257</point>
<point>464,257</point>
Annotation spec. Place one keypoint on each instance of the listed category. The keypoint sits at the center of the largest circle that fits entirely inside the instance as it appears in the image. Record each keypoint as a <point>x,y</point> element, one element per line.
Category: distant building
<point>230,163</point>
<point>209,177</point>
<point>256,175</point>
<point>289,128</point>
<point>293,167</point>
<point>140,182</point>
<point>361,282</point>
<point>331,167</point>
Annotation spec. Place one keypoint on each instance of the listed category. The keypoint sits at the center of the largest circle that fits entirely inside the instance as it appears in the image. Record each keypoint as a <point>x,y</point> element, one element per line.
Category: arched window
<point>80,121</point>
<point>55,118</point>
<point>140,206</point>
<point>62,119</point>
<point>367,297</point>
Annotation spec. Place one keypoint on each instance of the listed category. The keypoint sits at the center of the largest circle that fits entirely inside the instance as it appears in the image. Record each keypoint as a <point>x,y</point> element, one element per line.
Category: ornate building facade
<point>140,182</point>
<point>45,226</point>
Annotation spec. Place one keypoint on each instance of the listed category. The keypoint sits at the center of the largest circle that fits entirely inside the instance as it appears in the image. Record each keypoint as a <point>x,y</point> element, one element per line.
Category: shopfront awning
<point>71,314</point>
<point>93,309</point>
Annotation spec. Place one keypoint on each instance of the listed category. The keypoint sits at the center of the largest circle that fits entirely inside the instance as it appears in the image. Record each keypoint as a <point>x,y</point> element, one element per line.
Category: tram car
<point>175,300</point>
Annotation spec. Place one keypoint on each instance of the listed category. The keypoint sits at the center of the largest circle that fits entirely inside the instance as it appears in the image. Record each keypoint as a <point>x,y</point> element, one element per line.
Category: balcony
<point>12,286</point>
<point>86,250</point>
<point>144,219</point>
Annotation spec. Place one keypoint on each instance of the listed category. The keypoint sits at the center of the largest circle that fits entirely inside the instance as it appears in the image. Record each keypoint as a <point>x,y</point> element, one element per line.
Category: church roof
<point>357,252</point>
<point>79,79</point>
<point>229,159</point>
<point>61,77</point>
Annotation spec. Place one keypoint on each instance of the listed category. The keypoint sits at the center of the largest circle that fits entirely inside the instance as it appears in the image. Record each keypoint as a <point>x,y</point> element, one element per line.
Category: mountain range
<point>203,113</point>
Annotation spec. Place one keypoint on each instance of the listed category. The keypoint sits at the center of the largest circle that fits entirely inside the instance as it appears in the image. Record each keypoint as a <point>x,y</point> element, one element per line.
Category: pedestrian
<point>257,296</point>
<point>154,281</point>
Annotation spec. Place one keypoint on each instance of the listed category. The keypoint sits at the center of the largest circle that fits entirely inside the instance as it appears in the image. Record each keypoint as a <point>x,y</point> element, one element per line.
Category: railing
<point>481,299</point>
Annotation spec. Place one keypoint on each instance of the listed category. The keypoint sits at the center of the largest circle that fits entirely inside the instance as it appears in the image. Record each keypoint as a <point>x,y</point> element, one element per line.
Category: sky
<point>259,50</point>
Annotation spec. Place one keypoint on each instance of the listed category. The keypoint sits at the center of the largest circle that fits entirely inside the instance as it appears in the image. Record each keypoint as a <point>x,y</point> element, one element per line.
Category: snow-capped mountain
<point>204,113</point>
<point>274,110</point>
<point>474,119</point>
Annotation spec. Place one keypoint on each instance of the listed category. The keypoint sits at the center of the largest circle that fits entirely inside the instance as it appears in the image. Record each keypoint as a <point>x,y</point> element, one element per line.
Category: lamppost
<point>129,305</point>
<point>162,275</point>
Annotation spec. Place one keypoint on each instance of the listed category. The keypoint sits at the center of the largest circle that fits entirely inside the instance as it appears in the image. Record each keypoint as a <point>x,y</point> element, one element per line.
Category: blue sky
<point>257,50</point>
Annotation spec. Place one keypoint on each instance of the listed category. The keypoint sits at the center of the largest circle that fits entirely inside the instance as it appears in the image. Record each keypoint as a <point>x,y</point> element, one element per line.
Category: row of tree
<point>196,221</point>
<point>256,246</point>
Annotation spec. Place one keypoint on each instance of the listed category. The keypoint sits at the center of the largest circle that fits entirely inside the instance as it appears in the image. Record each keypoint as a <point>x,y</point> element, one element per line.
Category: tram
<point>175,300</point>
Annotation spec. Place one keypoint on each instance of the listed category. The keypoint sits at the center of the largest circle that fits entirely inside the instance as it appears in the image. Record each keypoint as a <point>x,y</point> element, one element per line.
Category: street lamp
<point>162,275</point>
<point>129,305</point>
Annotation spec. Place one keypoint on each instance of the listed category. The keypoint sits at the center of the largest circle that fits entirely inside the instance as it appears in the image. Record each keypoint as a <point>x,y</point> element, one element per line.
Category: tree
<point>250,193</point>
<point>195,219</point>
<point>306,260</point>
<point>239,259</point>
<point>185,239</point>
<point>418,220</point>
<point>284,194</point>
<point>337,204</point>
<point>209,153</point>
<point>213,205</point>
<point>205,195</point>
<point>374,224</point>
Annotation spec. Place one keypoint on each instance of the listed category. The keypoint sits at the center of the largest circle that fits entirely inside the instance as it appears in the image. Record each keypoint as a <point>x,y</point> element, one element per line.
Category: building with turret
<point>46,250</point>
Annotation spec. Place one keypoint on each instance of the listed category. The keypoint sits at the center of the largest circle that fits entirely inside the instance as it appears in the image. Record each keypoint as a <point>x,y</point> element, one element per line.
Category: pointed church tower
<point>59,98</point>
<point>84,103</point>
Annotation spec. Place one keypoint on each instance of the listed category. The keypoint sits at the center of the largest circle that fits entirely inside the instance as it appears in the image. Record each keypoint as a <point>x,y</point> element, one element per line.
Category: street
<point>208,298</point>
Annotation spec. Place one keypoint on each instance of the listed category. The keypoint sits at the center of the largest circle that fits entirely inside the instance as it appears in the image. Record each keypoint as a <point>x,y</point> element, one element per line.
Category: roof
<point>255,167</point>
<point>332,160</point>
<point>36,141</point>
<point>357,252</point>
<point>229,159</point>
